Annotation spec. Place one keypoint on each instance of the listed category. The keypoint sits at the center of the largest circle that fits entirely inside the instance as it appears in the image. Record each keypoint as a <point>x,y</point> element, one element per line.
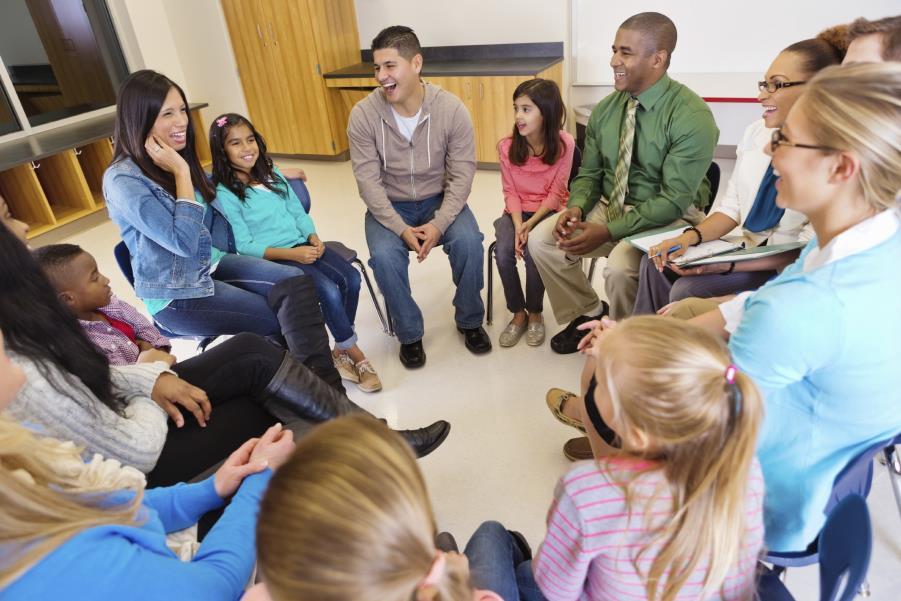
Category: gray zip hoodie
<point>440,158</point>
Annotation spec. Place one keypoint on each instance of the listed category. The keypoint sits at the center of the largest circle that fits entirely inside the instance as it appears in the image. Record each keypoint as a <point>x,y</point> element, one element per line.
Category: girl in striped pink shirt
<point>535,163</point>
<point>670,509</point>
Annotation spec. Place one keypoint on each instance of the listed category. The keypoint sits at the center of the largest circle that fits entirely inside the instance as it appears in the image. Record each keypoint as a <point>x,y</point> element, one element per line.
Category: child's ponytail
<point>677,384</point>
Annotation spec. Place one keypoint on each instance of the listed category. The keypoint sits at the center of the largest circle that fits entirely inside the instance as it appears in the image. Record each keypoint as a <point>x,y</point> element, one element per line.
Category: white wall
<point>466,22</point>
<point>186,41</point>
<point>20,43</point>
<point>207,59</point>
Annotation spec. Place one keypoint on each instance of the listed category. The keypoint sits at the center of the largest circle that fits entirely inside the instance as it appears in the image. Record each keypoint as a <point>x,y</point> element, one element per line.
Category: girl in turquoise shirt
<point>270,222</point>
<point>823,339</point>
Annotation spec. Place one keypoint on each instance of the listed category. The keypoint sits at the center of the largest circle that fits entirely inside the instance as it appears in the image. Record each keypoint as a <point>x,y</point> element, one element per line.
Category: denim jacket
<point>169,240</point>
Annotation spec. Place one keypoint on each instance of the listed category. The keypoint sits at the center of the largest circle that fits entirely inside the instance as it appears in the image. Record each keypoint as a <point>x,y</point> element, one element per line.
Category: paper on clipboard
<point>747,254</point>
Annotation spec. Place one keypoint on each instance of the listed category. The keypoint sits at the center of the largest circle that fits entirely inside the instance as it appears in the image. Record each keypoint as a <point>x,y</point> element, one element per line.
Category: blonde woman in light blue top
<point>823,339</point>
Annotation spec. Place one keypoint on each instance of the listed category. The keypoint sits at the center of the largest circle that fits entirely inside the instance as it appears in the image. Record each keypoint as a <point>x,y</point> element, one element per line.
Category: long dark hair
<point>544,94</point>
<point>38,326</point>
<point>223,172</point>
<point>138,104</point>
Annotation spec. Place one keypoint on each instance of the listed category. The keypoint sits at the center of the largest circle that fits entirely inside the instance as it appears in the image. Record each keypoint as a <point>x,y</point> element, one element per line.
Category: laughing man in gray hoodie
<point>413,155</point>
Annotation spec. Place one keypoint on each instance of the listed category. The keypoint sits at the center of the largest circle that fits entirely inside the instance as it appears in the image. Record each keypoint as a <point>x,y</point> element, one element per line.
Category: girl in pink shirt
<point>671,507</point>
<point>535,164</point>
<point>349,519</point>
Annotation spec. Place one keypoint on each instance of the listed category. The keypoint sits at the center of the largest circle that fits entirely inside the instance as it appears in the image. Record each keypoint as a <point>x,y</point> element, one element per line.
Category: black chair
<point>713,176</point>
<point>489,267</point>
<point>123,260</point>
<point>348,254</point>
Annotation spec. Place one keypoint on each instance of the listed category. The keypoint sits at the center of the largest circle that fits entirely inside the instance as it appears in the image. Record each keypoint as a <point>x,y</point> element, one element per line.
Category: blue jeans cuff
<point>346,344</point>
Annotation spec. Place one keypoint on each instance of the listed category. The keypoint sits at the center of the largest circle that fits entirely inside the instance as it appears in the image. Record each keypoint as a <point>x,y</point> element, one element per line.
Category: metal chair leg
<point>389,319</point>
<point>893,463</point>
<point>375,300</point>
<point>489,268</point>
<point>591,266</point>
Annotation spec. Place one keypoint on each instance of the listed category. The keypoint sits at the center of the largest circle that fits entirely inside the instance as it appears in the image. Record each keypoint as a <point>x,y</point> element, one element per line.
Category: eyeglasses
<point>772,86</point>
<point>779,139</point>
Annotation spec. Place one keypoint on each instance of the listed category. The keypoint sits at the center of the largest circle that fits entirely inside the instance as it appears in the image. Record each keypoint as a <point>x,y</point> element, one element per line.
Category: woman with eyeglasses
<point>823,339</point>
<point>747,209</point>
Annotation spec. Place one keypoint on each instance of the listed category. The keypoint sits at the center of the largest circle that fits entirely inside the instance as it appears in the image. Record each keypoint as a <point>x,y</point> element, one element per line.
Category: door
<point>494,110</point>
<point>257,71</point>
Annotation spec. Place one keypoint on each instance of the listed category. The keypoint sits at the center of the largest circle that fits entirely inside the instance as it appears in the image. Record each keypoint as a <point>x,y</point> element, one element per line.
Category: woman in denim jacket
<point>182,249</point>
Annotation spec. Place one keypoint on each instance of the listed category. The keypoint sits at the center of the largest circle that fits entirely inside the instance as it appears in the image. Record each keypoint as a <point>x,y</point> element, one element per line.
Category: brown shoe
<point>367,379</point>
<point>577,449</point>
<point>555,399</point>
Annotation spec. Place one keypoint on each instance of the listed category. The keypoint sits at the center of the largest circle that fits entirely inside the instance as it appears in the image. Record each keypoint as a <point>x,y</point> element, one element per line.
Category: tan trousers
<point>692,307</point>
<point>568,288</point>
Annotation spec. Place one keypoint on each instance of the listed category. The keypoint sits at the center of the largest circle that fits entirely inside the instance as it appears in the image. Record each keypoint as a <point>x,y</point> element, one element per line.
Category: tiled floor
<point>503,456</point>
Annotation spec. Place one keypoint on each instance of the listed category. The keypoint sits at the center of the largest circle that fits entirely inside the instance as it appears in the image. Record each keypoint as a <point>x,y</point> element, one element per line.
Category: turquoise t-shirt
<point>155,305</point>
<point>265,219</point>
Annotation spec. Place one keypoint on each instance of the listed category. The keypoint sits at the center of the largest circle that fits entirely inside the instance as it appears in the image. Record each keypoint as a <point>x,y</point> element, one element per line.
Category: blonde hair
<point>47,496</point>
<point>667,378</point>
<point>348,517</point>
<point>857,108</point>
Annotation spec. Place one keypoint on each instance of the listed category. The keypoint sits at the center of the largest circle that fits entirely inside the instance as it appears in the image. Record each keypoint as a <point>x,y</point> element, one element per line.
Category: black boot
<point>297,388</point>
<point>425,440</point>
<point>296,305</point>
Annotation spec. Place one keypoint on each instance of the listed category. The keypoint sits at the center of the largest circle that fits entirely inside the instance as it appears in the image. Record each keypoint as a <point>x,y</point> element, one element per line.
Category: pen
<point>671,250</point>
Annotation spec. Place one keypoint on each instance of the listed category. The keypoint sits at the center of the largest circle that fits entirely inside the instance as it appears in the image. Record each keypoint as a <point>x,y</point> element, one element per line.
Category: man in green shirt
<point>647,149</point>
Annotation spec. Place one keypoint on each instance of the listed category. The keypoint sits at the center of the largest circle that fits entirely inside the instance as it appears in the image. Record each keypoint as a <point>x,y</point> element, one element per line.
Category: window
<point>62,57</point>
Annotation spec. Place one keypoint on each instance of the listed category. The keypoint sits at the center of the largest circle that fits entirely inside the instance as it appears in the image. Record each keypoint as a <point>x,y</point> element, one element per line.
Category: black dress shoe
<point>476,339</point>
<point>567,340</point>
<point>412,355</point>
<point>425,440</point>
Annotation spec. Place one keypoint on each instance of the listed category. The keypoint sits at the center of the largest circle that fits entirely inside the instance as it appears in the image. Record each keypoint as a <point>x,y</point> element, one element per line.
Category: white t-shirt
<point>406,125</point>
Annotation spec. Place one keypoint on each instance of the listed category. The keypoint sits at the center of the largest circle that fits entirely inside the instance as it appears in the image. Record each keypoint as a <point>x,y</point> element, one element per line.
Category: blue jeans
<point>239,302</point>
<point>338,286</point>
<point>390,259</point>
<point>497,564</point>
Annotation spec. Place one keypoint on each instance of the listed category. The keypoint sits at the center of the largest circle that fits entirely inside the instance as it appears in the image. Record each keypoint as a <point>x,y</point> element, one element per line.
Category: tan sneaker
<point>345,366</point>
<point>367,379</point>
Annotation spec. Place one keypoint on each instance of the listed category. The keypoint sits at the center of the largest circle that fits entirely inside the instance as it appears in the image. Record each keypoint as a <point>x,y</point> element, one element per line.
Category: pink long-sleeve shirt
<point>534,184</point>
<point>593,536</point>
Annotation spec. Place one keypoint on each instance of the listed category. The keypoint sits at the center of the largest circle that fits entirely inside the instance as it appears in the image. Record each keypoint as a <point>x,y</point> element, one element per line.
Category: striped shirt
<point>591,544</point>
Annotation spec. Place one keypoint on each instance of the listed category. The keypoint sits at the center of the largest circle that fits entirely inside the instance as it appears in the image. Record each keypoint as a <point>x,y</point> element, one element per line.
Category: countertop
<point>487,67</point>
<point>53,141</point>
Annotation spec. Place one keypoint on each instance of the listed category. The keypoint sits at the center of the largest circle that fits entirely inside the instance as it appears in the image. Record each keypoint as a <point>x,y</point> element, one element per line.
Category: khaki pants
<point>692,307</point>
<point>568,288</point>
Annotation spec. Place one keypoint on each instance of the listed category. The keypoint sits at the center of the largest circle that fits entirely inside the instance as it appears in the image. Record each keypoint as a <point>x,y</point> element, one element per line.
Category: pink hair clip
<point>731,370</point>
<point>221,121</point>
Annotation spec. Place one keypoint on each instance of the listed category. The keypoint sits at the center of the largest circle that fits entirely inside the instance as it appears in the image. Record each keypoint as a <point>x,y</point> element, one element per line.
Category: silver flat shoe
<point>511,334</point>
<point>535,333</point>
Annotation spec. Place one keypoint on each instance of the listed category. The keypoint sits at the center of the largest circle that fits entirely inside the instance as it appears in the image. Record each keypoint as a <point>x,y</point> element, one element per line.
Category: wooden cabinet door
<point>256,68</point>
<point>337,45</point>
<point>494,102</point>
<point>304,108</point>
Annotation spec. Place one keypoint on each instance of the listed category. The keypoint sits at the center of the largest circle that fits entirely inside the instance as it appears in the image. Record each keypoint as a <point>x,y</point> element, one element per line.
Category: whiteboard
<point>723,48</point>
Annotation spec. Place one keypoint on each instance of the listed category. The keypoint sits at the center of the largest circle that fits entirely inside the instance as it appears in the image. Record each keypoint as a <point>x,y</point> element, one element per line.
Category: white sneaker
<point>345,366</point>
